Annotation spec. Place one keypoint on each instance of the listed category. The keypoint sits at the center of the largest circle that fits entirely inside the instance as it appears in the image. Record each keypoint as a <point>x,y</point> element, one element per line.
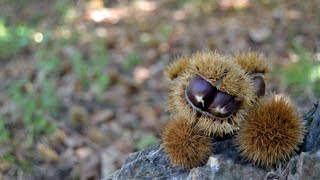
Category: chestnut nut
<point>259,85</point>
<point>207,99</point>
<point>200,92</point>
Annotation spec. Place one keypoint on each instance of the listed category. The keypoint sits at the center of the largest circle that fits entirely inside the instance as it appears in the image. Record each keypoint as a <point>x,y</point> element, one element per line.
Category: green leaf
<point>4,133</point>
<point>146,141</point>
<point>131,61</point>
<point>8,158</point>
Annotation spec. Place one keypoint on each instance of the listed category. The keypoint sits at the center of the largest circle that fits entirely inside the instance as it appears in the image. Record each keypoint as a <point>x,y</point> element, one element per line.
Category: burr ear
<point>257,67</point>
<point>253,63</point>
<point>177,67</point>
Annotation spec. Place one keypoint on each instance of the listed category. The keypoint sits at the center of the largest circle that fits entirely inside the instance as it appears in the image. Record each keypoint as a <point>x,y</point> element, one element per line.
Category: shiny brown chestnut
<point>259,85</point>
<point>207,99</point>
<point>200,92</point>
<point>223,105</point>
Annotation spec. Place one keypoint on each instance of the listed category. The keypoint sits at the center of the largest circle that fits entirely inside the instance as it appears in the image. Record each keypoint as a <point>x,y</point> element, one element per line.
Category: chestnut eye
<point>259,85</point>
<point>208,99</point>
<point>223,105</point>
<point>200,92</point>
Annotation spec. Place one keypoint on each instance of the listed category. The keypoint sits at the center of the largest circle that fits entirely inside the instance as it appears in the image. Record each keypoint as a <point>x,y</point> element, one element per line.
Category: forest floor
<point>82,83</point>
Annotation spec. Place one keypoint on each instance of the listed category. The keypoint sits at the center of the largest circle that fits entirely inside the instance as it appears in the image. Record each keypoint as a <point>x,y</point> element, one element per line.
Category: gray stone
<point>259,35</point>
<point>153,163</point>
<point>226,164</point>
<point>304,166</point>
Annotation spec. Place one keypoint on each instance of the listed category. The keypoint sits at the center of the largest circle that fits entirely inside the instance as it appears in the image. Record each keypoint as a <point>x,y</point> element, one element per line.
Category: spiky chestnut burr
<point>220,76</point>
<point>186,146</point>
<point>257,67</point>
<point>272,131</point>
<point>252,62</point>
<point>177,68</point>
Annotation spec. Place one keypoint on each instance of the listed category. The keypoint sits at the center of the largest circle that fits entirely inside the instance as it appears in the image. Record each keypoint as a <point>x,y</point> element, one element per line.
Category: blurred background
<point>82,84</point>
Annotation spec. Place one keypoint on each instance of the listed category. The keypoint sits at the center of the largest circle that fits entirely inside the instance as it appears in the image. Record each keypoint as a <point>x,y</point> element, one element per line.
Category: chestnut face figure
<point>213,96</point>
<point>207,99</point>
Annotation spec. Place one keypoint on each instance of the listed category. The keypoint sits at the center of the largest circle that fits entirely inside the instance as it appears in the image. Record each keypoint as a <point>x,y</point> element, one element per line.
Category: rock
<point>109,156</point>
<point>95,135</point>
<point>153,162</point>
<point>89,162</point>
<point>304,166</point>
<point>103,116</point>
<point>74,141</point>
<point>259,35</point>
<point>312,140</point>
